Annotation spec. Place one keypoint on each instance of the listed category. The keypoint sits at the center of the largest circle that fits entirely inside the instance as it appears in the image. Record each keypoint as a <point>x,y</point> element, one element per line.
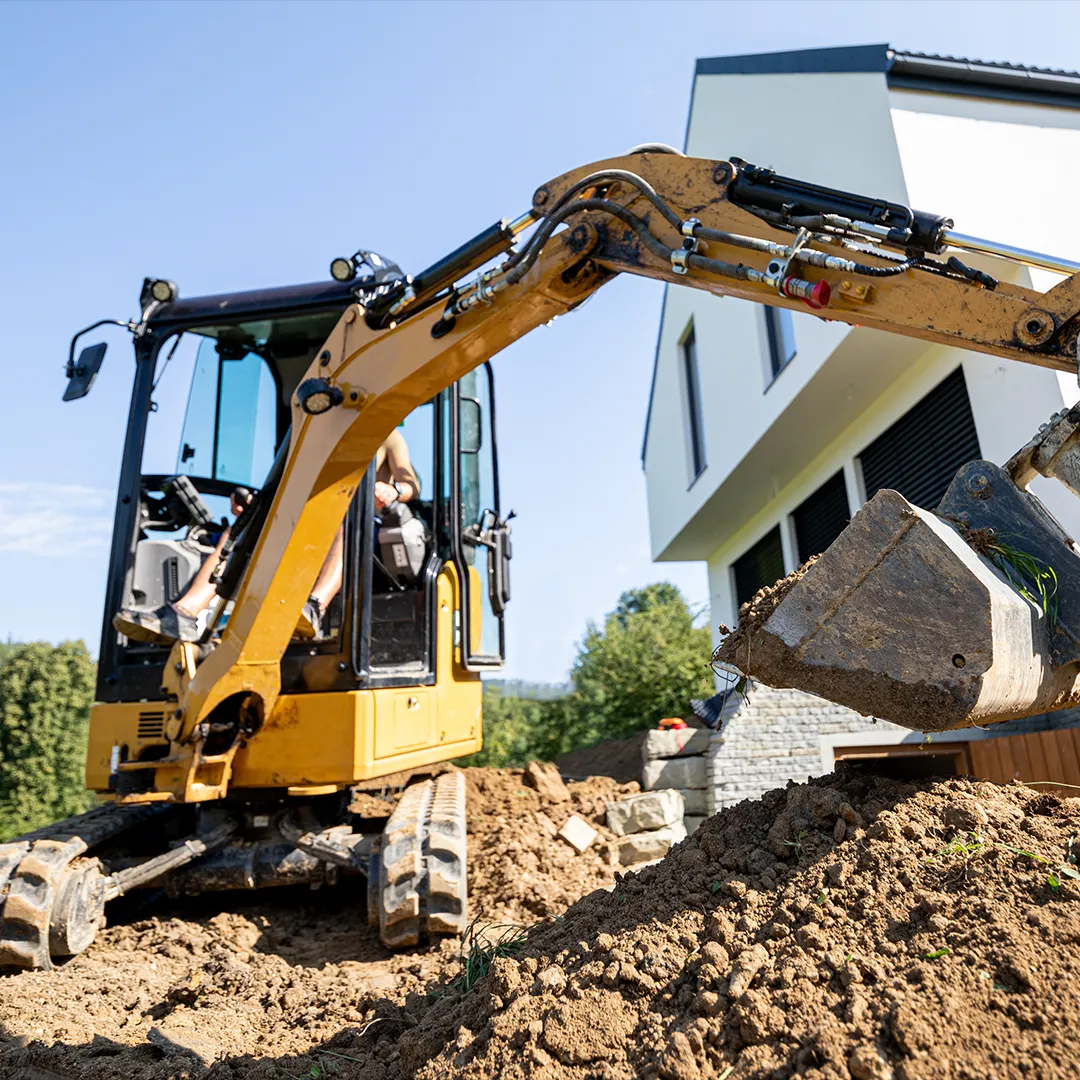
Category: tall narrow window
<point>694,425</point>
<point>781,329</point>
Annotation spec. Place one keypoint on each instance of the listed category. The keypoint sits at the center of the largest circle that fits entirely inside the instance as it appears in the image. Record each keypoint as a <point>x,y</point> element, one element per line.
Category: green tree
<point>646,662</point>
<point>45,696</point>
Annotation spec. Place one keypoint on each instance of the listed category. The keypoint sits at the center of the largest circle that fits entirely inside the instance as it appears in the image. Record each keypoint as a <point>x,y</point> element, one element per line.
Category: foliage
<point>645,663</point>
<point>45,696</point>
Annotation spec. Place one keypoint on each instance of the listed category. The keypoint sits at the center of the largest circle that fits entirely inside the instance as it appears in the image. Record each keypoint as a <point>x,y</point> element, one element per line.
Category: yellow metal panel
<point>131,726</point>
<point>307,739</point>
<point>404,720</point>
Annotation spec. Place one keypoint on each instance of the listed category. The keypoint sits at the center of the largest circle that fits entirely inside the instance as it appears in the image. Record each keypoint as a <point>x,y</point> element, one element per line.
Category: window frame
<point>694,413</point>
<point>774,336</point>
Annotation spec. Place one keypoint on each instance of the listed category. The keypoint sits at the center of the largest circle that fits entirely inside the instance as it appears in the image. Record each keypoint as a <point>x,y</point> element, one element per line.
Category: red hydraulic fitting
<point>813,294</point>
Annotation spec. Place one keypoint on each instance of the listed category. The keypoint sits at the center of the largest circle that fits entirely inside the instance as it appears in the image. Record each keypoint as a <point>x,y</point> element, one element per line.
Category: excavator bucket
<point>967,615</point>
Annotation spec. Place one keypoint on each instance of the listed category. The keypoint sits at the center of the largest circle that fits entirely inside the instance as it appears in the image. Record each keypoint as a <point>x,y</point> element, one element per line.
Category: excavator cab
<point>210,415</point>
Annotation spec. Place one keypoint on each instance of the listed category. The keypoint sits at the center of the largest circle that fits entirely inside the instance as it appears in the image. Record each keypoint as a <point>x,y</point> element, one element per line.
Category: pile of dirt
<point>519,870</point>
<point>259,982</point>
<point>852,927</point>
<point>618,758</point>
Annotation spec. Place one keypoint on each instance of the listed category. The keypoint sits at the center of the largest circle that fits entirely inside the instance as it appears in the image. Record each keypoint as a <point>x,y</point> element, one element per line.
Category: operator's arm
<point>396,468</point>
<point>717,226</point>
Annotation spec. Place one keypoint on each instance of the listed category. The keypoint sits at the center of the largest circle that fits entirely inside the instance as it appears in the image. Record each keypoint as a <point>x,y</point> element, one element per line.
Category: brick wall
<point>772,736</point>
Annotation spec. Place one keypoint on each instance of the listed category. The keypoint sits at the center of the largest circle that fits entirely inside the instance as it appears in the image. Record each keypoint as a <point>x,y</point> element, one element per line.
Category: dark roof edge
<point>844,58</point>
<point>913,71</point>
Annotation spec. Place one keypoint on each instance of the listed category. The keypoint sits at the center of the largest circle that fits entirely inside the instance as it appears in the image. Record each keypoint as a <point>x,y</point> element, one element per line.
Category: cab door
<point>480,538</point>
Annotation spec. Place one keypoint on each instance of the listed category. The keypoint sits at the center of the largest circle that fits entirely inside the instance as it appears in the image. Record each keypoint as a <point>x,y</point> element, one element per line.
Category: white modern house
<point>766,430</point>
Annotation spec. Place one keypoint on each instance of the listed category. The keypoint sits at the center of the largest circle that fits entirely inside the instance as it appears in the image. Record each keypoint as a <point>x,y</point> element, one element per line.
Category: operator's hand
<point>385,494</point>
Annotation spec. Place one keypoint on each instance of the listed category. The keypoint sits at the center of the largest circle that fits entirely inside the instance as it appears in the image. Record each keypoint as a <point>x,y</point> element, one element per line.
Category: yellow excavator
<point>224,759</point>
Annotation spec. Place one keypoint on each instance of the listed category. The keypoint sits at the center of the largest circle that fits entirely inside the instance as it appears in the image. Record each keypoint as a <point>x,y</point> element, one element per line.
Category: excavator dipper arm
<point>715,225</point>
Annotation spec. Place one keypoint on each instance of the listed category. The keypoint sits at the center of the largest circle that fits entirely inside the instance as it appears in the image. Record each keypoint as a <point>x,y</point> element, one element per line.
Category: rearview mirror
<point>82,373</point>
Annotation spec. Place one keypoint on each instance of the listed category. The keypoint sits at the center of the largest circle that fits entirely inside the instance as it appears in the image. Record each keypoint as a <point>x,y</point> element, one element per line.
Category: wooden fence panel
<point>1038,756</point>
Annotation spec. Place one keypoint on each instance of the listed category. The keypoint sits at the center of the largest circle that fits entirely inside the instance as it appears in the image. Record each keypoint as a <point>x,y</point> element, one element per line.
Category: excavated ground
<point>260,981</point>
<point>850,927</point>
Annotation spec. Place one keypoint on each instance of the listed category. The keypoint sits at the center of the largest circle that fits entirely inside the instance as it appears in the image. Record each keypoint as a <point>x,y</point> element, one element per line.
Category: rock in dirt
<point>577,833</point>
<point>545,778</point>
<point>674,773</point>
<point>649,810</point>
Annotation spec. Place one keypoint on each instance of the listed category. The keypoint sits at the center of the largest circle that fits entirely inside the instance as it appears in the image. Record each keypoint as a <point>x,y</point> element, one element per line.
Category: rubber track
<point>32,867</point>
<point>445,855</point>
<point>422,865</point>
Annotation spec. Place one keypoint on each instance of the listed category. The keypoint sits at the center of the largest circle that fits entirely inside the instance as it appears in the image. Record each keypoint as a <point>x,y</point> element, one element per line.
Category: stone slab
<point>578,833</point>
<point>644,846</point>
<point>688,772</point>
<point>695,801</point>
<point>692,823</point>
<point>679,743</point>
<point>649,810</point>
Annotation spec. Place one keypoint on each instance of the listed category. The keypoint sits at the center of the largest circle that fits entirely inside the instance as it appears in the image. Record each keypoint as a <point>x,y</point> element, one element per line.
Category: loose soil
<point>853,926</point>
<point>263,979</point>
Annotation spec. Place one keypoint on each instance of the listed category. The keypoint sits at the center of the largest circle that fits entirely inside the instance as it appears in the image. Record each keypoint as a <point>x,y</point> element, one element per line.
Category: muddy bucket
<point>902,619</point>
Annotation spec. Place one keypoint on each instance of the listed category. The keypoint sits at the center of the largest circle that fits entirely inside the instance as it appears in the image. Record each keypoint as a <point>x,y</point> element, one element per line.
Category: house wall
<point>769,443</point>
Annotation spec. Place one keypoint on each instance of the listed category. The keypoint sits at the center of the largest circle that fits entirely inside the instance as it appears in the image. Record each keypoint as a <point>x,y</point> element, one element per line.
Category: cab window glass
<point>230,422</point>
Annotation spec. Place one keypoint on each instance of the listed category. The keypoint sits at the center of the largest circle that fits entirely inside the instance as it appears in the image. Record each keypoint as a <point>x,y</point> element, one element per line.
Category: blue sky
<point>232,145</point>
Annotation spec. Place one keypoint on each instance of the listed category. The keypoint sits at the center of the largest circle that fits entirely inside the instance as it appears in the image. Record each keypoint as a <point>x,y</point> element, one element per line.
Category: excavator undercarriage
<point>57,880</point>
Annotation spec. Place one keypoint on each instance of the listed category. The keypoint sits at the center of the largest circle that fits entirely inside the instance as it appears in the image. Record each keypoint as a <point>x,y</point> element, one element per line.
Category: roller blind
<point>821,517</point>
<point>921,452</point>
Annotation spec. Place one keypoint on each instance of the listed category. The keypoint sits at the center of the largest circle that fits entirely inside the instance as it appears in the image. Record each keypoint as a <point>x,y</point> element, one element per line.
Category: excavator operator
<point>395,482</point>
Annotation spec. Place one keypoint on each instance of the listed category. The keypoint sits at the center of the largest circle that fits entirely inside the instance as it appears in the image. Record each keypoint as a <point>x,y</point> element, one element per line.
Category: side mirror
<point>82,372</point>
<point>494,534</point>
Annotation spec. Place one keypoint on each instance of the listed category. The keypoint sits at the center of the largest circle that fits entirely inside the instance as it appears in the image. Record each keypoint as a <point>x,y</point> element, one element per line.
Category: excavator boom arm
<point>682,220</point>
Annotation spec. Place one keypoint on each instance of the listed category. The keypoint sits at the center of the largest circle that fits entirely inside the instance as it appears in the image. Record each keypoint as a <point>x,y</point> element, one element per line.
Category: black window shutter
<point>919,455</point>
<point>762,565</point>
<point>821,518</point>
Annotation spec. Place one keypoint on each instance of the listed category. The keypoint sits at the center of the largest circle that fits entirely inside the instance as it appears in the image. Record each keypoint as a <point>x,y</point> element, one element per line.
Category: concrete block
<point>695,800</point>
<point>645,846</point>
<point>578,833</point>
<point>649,810</point>
<point>680,743</point>
<point>691,823</point>
<point>686,772</point>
